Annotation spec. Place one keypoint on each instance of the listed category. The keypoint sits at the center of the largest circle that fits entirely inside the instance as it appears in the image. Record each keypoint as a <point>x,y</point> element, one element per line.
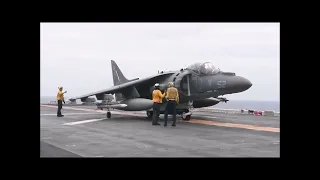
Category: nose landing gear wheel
<point>185,117</point>
<point>108,114</point>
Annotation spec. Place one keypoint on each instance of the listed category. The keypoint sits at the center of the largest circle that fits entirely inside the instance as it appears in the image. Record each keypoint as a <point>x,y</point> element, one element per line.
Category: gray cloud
<point>77,56</point>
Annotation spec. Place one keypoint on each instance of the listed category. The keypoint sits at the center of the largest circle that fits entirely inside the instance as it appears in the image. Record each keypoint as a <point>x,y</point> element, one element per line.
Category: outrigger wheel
<point>108,114</point>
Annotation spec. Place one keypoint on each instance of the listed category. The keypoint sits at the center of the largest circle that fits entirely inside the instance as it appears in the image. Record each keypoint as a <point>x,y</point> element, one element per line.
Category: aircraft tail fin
<point>118,77</point>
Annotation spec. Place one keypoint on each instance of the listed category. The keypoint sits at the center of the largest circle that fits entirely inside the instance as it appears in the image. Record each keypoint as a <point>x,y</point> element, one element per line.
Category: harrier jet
<point>199,85</point>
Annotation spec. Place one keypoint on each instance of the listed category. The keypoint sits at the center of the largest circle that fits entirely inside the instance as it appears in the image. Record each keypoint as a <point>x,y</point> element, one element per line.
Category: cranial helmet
<point>157,85</point>
<point>170,84</point>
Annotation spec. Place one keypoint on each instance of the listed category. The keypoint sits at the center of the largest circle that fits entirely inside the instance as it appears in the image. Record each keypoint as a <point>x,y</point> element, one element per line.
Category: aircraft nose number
<point>222,84</point>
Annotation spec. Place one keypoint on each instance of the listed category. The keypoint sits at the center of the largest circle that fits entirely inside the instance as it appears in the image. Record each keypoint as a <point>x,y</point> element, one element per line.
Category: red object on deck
<point>257,113</point>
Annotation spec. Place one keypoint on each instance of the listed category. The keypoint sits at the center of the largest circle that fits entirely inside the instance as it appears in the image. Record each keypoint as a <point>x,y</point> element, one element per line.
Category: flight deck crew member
<point>172,97</point>
<point>157,101</point>
<point>60,99</point>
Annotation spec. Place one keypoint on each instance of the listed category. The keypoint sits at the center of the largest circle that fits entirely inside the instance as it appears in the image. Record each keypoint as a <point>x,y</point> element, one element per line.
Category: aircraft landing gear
<point>149,114</point>
<point>186,116</point>
<point>108,110</point>
<point>108,115</point>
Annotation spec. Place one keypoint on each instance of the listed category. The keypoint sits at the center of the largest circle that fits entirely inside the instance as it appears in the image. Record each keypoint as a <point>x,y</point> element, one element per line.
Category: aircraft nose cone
<point>240,84</point>
<point>245,83</point>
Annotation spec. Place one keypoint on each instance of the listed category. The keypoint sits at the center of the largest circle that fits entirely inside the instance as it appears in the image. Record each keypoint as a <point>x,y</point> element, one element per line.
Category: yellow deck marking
<point>243,126</point>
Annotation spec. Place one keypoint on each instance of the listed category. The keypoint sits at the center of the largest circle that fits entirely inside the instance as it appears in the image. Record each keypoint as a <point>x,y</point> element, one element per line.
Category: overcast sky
<point>77,55</point>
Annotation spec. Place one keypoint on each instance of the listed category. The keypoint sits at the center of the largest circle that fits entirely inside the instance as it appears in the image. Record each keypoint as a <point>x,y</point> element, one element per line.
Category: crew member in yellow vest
<point>60,99</point>
<point>172,96</point>
<point>157,101</point>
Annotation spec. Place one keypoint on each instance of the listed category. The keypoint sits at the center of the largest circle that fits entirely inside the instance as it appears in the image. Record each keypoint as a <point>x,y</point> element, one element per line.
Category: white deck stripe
<point>84,121</point>
<point>68,114</point>
<point>98,111</point>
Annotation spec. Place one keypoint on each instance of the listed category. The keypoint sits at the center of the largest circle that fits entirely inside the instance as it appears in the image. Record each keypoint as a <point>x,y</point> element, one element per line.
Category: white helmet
<point>157,85</point>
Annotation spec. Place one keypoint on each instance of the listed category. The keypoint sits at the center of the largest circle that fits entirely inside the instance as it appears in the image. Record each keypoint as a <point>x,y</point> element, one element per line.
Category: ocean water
<point>254,105</point>
<point>232,104</point>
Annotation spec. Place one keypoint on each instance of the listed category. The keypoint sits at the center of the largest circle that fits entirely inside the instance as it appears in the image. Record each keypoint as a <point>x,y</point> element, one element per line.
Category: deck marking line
<point>243,126</point>
<point>88,113</point>
<point>95,110</point>
<point>205,122</point>
<point>84,121</point>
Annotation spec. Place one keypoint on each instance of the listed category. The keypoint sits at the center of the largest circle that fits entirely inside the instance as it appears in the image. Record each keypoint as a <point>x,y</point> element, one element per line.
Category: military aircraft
<point>199,85</point>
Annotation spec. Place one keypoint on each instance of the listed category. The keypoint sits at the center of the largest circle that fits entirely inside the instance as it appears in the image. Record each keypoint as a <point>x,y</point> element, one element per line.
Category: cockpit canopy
<point>206,68</point>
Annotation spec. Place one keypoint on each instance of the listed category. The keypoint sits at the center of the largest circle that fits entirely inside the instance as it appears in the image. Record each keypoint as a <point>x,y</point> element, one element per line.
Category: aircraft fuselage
<point>199,85</point>
<point>205,86</point>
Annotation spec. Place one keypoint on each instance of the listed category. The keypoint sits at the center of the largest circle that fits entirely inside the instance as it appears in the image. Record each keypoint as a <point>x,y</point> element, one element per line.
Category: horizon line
<point>230,100</point>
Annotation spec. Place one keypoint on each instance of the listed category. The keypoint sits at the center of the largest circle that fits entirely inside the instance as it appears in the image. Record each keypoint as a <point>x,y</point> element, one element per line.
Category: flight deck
<point>86,132</point>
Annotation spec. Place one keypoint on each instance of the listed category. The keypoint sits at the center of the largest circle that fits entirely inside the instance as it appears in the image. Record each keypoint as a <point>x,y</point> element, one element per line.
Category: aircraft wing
<point>119,88</point>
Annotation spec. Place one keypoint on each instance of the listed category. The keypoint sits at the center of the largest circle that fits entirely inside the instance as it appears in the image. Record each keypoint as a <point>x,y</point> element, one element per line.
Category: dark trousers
<point>156,112</point>
<point>170,108</point>
<point>59,108</point>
